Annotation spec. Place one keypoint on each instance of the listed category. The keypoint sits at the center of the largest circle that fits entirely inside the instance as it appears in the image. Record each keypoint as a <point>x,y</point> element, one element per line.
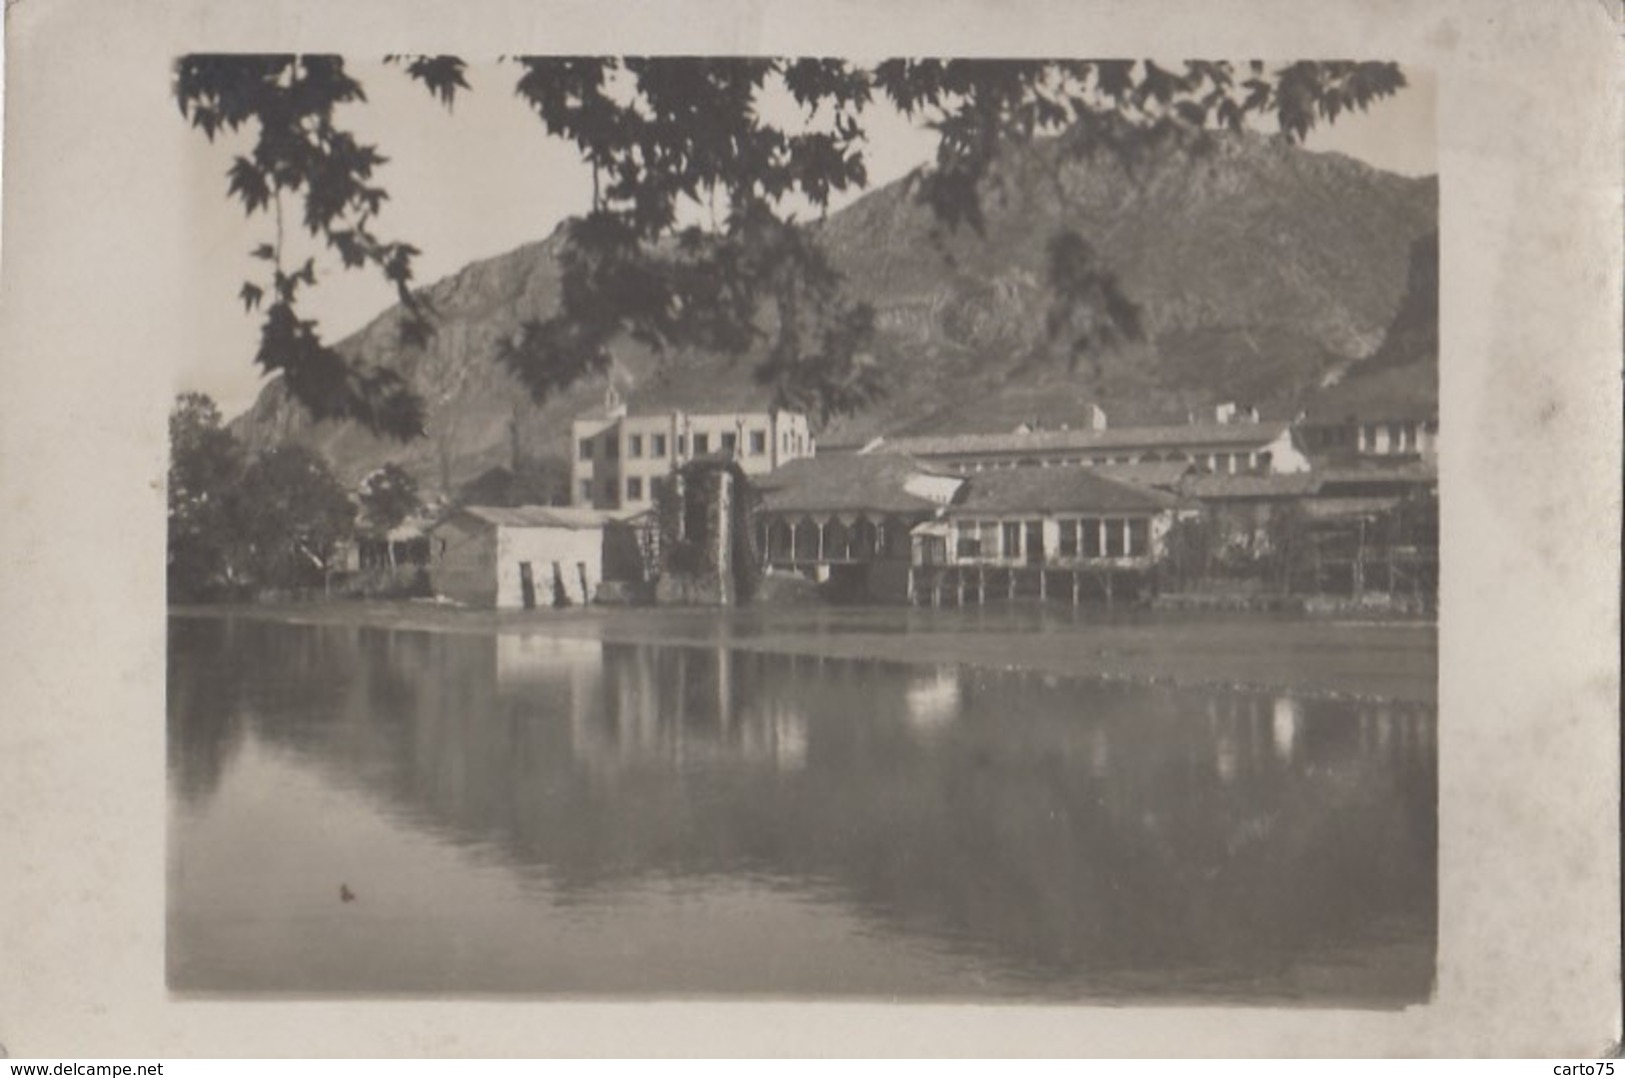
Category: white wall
<point>542,547</point>
<point>590,470</point>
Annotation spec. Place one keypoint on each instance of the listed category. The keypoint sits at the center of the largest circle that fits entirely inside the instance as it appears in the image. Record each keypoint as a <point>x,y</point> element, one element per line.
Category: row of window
<point>1082,537</point>
<point>1390,437</point>
<point>756,445</point>
<point>1224,463</point>
<point>634,489</point>
<point>1396,437</point>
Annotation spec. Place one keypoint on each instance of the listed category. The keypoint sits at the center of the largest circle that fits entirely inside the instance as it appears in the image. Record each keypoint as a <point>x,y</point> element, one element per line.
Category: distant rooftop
<point>1229,434</point>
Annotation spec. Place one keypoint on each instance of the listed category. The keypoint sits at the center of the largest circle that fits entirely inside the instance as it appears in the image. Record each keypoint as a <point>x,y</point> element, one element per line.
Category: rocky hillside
<point>1401,378</point>
<point>1261,268</point>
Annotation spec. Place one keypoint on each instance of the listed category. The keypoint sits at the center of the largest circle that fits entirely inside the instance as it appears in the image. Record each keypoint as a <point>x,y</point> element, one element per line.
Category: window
<point>1114,538</point>
<point>1012,540</point>
<point>634,489</point>
<point>1069,539</point>
<point>730,442</point>
<point>1091,537</point>
<point>584,450</point>
<point>702,444</point>
<point>682,444</point>
<point>1264,461</point>
<point>586,490</point>
<point>1139,537</point>
<point>758,442</point>
<point>970,545</point>
<point>657,446</point>
<point>634,445</point>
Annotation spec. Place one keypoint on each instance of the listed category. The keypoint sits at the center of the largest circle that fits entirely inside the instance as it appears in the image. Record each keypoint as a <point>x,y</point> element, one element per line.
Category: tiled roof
<point>1250,486</point>
<point>1040,490</point>
<point>1334,509</point>
<point>1378,471</point>
<point>845,483</point>
<point>1192,434</point>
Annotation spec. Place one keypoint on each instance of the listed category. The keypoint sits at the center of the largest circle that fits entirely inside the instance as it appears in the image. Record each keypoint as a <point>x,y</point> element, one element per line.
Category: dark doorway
<point>1035,542</point>
<point>527,586</point>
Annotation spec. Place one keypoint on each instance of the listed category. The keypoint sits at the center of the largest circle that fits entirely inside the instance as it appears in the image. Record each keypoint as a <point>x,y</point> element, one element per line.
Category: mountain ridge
<point>1260,267</point>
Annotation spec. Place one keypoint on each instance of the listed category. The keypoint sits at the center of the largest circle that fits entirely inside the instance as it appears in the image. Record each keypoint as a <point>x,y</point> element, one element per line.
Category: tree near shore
<point>292,514</point>
<point>205,463</point>
<point>388,497</point>
<point>672,139</point>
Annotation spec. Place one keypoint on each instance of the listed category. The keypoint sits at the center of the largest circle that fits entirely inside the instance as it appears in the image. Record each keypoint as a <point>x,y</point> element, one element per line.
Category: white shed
<point>520,557</point>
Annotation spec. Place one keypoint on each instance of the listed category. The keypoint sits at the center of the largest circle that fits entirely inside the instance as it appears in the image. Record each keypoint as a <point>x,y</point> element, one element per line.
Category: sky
<point>485,178</point>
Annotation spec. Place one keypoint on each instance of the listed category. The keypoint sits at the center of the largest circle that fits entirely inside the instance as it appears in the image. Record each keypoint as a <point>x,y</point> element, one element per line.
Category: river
<point>367,810</point>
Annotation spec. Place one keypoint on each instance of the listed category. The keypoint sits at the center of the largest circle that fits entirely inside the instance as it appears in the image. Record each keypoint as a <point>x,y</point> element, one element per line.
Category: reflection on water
<point>527,814</point>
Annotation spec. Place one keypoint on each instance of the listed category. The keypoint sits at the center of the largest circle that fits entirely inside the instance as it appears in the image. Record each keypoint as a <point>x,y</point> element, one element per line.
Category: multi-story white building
<point>618,457</point>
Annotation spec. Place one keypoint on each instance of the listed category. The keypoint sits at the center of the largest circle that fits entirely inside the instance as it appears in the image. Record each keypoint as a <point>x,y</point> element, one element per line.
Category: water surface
<point>542,815</point>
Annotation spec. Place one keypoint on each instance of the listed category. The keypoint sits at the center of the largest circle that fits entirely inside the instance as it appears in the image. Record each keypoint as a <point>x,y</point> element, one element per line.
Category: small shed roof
<point>1040,490</point>
<point>539,516</point>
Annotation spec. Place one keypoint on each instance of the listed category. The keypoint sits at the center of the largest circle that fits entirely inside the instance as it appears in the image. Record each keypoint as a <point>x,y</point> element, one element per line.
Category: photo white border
<point>96,233</point>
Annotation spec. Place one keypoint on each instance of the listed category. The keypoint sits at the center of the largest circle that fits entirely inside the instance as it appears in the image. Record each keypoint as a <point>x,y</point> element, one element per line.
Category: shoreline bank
<point>1312,657</point>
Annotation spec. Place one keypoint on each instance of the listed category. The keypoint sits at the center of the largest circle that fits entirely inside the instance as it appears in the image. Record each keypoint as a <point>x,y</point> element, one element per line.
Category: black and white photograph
<point>792,529</point>
<point>932,528</point>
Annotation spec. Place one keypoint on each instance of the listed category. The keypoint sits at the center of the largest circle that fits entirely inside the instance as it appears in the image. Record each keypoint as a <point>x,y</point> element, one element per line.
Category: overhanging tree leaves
<point>672,139</point>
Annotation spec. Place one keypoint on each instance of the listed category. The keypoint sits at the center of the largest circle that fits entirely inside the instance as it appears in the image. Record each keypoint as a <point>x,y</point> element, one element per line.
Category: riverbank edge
<point>1108,654</point>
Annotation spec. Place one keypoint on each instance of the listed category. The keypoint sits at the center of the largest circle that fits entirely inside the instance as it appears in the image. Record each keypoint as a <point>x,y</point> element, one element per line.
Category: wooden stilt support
<point>1043,585</point>
<point>959,587</point>
<point>1074,587</point>
<point>981,585</point>
<point>911,585</point>
<point>1011,582</point>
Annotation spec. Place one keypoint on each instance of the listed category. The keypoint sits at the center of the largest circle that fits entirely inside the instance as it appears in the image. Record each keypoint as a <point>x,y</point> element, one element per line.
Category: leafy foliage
<point>236,525</point>
<point>204,466</point>
<point>668,139</point>
<point>388,497</point>
<point>293,514</point>
<point>289,103</point>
